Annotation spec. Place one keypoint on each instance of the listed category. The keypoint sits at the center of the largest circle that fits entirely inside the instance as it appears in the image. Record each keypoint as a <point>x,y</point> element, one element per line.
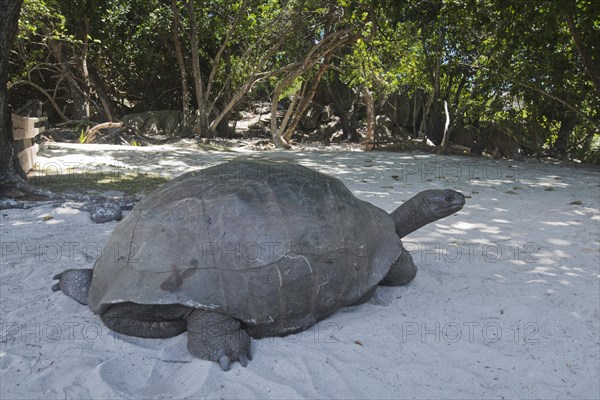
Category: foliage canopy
<point>529,68</point>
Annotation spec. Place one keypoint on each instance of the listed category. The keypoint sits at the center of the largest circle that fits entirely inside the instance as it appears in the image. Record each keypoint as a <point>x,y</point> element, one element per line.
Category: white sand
<point>505,304</point>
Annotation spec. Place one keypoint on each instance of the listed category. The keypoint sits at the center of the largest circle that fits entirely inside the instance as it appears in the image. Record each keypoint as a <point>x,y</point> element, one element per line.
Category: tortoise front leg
<point>147,321</point>
<point>217,337</point>
<point>402,271</point>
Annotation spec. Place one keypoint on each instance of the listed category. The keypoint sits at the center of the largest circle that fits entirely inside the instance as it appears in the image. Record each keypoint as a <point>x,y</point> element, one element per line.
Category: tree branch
<point>587,62</point>
<point>45,93</point>
<point>217,59</point>
<point>583,115</point>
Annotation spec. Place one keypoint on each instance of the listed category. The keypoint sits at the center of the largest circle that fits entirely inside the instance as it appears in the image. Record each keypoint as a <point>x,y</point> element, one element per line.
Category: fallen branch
<point>91,133</point>
<point>459,148</point>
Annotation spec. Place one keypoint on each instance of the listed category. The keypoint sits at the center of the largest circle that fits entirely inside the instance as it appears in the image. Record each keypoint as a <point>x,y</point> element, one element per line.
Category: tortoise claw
<point>225,363</point>
<point>244,360</point>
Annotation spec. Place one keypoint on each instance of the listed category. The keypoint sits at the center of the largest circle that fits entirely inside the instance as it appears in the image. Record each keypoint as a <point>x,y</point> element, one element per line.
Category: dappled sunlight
<point>559,242</point>
<point>67,211</point>
<point>445,230</point>
<point>561,223</point>
<point>503,214</point>
<point>172,163</point>
<point>542,271</point>
<point>19,223</point>
<point>54,221</point>
<point>523,258</point>
<point>367,194</point>
<point>571,274</point>
<point>300,282</point>
<point>480,227</point>
<point>537,281</point>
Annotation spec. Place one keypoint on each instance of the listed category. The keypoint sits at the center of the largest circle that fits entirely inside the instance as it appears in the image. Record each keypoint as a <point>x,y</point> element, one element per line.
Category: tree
<point>531,66</point>
<point>11,172</point>
<point>529,69</point>
<point>185,95</point>
<point>319,52</point>
<point>322,31</point>
<point>55,51</point>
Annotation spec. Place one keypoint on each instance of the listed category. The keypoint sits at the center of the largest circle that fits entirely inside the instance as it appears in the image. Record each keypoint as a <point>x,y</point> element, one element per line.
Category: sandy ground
<point>505,304</point>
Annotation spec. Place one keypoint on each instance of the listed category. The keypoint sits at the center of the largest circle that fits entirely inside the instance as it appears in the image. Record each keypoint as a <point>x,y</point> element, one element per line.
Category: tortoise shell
<point>272,244</point>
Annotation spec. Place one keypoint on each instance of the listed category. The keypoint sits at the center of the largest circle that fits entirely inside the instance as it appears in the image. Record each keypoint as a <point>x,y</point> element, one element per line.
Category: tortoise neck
<point>410,216</point>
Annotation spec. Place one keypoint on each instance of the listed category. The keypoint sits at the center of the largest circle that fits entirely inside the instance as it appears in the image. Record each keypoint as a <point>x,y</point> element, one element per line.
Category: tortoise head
<point>440,203</point>
<point>426,207</point>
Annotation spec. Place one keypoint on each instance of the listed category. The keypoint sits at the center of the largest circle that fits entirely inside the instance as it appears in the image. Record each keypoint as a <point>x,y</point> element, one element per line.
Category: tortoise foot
<point>218,337</point>
<point>75,283</point>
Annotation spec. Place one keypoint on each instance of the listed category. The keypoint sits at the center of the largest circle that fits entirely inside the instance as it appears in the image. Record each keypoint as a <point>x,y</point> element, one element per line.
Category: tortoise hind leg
<point>147,321</point>
<point>75,283</point>
<point>402,271</point>
<point>217,337</point>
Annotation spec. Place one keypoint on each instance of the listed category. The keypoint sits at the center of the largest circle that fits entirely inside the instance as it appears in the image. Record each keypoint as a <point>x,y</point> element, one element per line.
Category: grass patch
<point>94,182</point>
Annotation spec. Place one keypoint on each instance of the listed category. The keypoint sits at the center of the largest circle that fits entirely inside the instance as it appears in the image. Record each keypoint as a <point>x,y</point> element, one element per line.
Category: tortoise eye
<point>449,197</point>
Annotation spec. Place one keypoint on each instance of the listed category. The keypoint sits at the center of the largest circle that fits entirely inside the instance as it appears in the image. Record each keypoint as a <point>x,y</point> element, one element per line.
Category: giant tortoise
<point>248,248</point>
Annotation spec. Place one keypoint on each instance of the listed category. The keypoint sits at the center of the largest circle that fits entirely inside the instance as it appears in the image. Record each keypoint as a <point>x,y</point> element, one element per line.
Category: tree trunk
<point>306,98</point>
<point>341,108</point>
<point>431,100</point>
<point>561,144</point>
<point>369,103</point>
<point>85,76</point>
<point>315,55</point>
<point>10,169</point>
<point>435,75</point>
<point>201,126</point>
<point>80,102</point>
<point>108,106</point>
<point>446,137</point>
<point>185,94</point>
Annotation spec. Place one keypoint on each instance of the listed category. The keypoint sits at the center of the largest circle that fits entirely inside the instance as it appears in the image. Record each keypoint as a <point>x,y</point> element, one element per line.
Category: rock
<point>165,121</point>
<point>127,205</point>
<point>10,203</point>
<point>327,114</point>
<point>384,127</point>
<point>312,118</point>
<point>518,154</point>
<point>384,121</point>
<point>105,212</point>
<point>327,131</point>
